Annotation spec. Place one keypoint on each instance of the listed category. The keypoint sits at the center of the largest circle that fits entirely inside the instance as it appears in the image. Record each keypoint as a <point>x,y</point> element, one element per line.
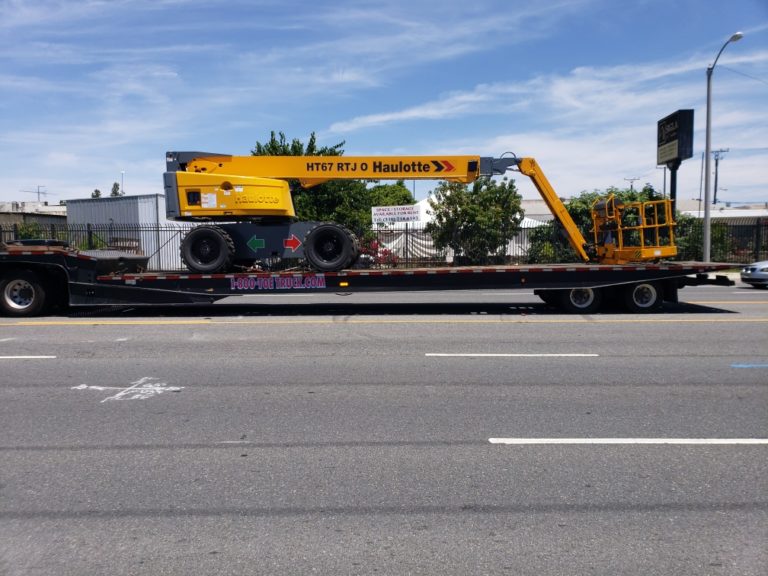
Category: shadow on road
<point>368,309</point>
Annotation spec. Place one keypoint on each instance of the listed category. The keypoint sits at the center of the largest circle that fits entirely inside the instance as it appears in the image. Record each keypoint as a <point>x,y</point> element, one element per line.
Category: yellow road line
<point>721,302</point>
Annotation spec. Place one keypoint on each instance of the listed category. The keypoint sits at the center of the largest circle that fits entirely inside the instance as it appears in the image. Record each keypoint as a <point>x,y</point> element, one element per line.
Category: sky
<point>96,91</point>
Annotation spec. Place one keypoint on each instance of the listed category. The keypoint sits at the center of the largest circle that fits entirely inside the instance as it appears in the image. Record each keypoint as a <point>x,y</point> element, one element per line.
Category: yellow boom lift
<point>245,205</point>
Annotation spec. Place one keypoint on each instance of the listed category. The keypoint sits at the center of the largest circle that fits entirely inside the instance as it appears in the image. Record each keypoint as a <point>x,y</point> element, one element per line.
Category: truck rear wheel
<point>22,294</point>
<point>581,300</point>
<point>329,248</point>
<point>643,297</point>
<point>207,250</point>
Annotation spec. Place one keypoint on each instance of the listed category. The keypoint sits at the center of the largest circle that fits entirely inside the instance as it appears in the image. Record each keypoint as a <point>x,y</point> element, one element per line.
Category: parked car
<point>756,274</point>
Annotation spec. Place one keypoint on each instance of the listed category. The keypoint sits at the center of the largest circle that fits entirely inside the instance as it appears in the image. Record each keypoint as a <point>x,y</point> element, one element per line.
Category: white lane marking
<point>472,355</point>
<point>27,357</point>
<point>139,390</point>
<point>646,441</point>
<point>6,339</point>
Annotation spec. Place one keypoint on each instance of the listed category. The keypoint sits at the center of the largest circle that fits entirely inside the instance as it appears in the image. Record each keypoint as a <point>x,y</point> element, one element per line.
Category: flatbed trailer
<point>35,279</point>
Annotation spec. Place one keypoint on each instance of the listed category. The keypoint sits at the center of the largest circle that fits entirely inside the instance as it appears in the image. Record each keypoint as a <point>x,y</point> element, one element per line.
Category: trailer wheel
<point>329,247</point>
<point>207,249</point>
<point>643,297</point>
<point>22,294</point>
<point>581,300</point>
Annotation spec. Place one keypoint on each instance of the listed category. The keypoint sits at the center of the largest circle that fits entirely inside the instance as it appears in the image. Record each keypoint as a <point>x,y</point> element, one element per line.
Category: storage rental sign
<point>391,214</point>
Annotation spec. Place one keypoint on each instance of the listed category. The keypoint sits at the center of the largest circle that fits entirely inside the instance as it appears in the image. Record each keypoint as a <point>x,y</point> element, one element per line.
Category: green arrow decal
<point>256,244</point>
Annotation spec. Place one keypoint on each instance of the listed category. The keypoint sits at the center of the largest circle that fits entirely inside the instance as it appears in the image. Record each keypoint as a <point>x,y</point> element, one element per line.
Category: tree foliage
<point>477,222</point>
<point>96,193</point>
<point>689,237</point>
<point>278,145</point>
<point>116,190</point>
<point>347,202</point>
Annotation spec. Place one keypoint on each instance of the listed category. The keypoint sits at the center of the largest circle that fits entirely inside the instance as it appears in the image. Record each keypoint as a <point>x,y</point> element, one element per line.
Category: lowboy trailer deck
<point>34,278</point>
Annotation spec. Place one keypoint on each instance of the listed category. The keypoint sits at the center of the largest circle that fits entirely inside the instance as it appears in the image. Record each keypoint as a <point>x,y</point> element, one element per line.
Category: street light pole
<point>707,241</point>
<point>122,181</point>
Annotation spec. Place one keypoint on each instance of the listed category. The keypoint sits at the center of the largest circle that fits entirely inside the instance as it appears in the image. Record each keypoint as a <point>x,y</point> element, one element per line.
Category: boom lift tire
<point>207,250</point>
<point>643,297</point>
<point>22,294</point>
<point>329,247</point>
<point>581,300</point>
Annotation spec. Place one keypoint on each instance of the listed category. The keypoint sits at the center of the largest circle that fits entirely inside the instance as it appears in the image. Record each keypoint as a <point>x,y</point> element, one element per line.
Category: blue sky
<point>95,88</point>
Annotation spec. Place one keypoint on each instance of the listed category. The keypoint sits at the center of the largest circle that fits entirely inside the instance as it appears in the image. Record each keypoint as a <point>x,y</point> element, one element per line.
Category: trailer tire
<point>581,300</point>
<point>643,297</point>
<point>22,294</point>
<point>207,250</point>
<point>329,247</point>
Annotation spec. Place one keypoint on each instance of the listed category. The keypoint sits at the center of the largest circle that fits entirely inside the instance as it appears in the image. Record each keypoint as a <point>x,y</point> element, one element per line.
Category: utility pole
<point>717,154</point>
<point>631,183</point>
<point>664,193</point>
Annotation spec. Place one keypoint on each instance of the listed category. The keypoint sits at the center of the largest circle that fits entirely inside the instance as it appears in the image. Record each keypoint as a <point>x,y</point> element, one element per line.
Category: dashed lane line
<point>505,355</point>
<point>27,357</point>
<point>631,441</point>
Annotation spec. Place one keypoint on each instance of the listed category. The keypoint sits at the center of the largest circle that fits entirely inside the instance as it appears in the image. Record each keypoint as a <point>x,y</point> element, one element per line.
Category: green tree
<point>116,190</point>
<point>477,222</point>
<point>347,202</point>
<point>30,230</point>
<point>689,237</point>
<point>278,145</point>
<point>96,193</point>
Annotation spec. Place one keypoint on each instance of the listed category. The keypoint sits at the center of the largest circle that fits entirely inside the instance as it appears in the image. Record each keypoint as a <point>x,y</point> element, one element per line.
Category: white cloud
<point>599,124</point>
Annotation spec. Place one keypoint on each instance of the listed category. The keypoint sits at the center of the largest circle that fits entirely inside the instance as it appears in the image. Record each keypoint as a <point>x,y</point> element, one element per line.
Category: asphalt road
<point>464,433</point>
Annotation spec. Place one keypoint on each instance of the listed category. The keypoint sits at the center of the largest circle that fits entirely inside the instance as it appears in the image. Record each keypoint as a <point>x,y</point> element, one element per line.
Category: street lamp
<point>122,181</point>
<point>708,151</point>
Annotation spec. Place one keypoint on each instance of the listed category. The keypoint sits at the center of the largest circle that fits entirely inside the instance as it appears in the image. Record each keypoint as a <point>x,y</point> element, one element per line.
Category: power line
<point>744,74</point>
<point>717,154</point>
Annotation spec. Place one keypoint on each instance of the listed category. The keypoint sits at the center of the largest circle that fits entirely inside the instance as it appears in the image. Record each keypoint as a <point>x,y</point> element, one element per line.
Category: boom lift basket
<point>633,231</point>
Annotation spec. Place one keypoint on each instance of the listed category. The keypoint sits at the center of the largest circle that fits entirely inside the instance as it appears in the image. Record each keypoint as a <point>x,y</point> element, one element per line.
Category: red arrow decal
<point>293,243</point>
<point>448,166</point>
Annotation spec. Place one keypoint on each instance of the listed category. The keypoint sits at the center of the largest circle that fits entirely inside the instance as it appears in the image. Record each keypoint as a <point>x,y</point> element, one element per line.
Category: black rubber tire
<point>329,247</point>
<point>207,250</point>
<point>643,297</point>
<point>22,294</point>
<point>581,300</point>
